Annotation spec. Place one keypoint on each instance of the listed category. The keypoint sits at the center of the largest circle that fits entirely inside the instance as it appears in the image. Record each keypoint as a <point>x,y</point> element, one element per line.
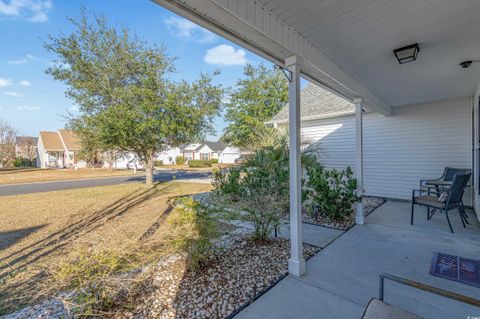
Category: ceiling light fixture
<point>407,54</point>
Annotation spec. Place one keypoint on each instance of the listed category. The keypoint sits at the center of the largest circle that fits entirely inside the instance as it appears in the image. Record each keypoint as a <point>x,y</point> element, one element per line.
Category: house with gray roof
<point>210,150</point>
<point>317,103</point>
<point>398,150</point>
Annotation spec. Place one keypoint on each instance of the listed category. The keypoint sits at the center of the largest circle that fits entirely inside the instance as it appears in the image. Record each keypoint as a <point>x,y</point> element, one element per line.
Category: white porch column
<point>296,263</point>
<point>359,215</point>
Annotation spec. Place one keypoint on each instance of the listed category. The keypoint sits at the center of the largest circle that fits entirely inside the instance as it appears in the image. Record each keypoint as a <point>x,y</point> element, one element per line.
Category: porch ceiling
<point>347,45</point>
<point>359,35</point>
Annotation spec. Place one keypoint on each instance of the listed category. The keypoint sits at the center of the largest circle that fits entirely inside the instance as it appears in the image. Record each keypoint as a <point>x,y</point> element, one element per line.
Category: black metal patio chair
<point>447,177</point>
<point>444,201</point>
<point>444,182</point>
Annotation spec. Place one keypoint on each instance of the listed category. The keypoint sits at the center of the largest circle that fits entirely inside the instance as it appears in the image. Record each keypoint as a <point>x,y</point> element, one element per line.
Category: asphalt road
<point>167,175</point>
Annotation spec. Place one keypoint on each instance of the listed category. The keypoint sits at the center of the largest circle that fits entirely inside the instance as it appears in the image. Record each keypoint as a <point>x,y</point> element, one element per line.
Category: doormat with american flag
<point>456,268</point>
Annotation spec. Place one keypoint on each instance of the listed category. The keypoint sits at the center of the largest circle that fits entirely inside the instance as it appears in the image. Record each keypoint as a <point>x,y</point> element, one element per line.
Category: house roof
<point>71,141</point>
<point>214,146</point>
<point>316,102</point>
<point>51,141</point>
<point>26,140</point>
<point>189,147</point>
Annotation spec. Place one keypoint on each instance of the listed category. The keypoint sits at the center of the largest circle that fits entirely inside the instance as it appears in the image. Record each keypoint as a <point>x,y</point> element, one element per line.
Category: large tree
<point>256,98</point>
<point>125,97</point>
<point>7,143</point>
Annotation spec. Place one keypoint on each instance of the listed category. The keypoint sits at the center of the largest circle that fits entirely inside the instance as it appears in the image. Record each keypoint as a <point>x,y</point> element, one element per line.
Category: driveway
<point>164,175</point>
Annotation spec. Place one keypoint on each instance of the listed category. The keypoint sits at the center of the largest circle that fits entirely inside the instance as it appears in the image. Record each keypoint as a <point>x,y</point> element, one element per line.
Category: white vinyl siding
<point>417,142</point>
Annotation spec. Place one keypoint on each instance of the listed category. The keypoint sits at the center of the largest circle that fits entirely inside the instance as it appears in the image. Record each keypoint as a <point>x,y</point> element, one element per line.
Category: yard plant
<point>123,89</point>
<point>179,160</point>
<point>332,191</point>
<point>199,163</point>
<point>258,190</point>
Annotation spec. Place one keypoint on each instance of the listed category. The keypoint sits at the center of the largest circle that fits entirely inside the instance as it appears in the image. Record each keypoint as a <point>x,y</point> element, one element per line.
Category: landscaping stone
<point>240,271</point>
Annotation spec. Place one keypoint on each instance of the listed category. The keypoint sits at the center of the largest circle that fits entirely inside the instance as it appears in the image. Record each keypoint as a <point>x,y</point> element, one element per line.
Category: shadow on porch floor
<point>343,277</point>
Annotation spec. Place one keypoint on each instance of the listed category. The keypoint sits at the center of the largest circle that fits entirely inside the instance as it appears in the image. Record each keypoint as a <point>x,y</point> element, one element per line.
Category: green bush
<point>332,190</point>
<point>227,181</point>
<point>199,163</point>
<point>158,163</point>
<point>23,162</point>
<point>180,160</point>
<point>214,160</point>
<point>193,227</point>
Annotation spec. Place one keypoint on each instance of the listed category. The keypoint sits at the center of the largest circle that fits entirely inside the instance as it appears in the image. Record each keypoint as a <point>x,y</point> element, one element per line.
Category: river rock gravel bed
<point>228,283</point>
<point>239,270</point>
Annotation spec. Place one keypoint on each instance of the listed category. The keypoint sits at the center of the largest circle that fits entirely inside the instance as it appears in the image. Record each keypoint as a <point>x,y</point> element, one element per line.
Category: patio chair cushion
<point>443,196</point>
<point>429,200</point>
<point>377,309</point>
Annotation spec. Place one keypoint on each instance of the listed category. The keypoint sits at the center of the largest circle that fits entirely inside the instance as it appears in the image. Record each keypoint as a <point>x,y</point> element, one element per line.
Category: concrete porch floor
<point>343,277</point>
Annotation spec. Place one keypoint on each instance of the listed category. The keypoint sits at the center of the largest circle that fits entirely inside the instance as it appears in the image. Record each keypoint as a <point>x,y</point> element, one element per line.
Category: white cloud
<point>25,83</point>
<point>225,54</point>
<point>184,28</point>
<point>31,10</point>
<point>13,94</point>
<point>20,61</point>
<point>28,108</point>
<point>5,82</point>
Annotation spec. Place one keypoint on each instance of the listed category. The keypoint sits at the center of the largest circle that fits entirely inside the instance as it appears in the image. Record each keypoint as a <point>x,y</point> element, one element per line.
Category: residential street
<point>164,175</point>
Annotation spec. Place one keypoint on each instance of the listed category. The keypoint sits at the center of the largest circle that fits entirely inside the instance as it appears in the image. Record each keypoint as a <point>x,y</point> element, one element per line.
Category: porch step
<point>377,309</point>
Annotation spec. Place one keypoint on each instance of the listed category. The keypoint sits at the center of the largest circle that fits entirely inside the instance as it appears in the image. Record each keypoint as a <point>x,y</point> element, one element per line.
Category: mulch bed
<point>370,204</point>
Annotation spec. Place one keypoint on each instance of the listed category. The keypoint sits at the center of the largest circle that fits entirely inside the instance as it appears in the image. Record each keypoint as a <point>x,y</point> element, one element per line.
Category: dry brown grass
<point>32,175</point>
<point>39,231</point>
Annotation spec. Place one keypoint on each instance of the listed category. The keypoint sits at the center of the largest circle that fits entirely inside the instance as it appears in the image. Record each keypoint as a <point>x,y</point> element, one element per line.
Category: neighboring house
<point>399,150</point>
<point>169,156</point>
<point>26,147</point>
<point>123,160</point>
<point>211,150</point>
<point>58,150</point>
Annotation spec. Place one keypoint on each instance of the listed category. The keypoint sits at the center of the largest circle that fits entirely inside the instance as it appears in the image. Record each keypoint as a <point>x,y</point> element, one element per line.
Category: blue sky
<point>32,101</point>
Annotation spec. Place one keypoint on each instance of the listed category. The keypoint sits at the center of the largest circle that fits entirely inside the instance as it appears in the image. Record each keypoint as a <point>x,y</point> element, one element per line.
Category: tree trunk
<point>149,165</point>
<point>110,160</point>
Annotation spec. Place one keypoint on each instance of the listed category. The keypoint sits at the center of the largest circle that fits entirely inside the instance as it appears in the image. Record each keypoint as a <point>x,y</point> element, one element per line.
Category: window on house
<point>204,156</point>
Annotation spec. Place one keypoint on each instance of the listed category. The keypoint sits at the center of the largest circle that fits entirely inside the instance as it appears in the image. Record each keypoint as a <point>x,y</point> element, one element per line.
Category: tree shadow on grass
<point>19,259</point>
<point>11,237</point>
<point>21,289</point>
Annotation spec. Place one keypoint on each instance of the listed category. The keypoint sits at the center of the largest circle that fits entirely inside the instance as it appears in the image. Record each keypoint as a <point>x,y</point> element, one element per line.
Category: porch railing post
<point>359,214</point>
<point>296,263</point>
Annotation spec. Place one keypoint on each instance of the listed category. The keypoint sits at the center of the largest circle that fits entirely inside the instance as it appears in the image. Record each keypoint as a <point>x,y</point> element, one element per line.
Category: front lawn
<point>39,231</point>
<point>32,175</point>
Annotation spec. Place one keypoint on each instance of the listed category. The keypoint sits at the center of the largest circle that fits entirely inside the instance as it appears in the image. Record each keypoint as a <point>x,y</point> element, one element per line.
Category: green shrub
<point>199,163</point>
<point>158,163</point>
<point>23,162</point>
<point>332,190</point>
<point>214,160</point>
<point>193,227</point>
<point>180,160</point>
<point>262,192</point>
<point>227,181</point>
